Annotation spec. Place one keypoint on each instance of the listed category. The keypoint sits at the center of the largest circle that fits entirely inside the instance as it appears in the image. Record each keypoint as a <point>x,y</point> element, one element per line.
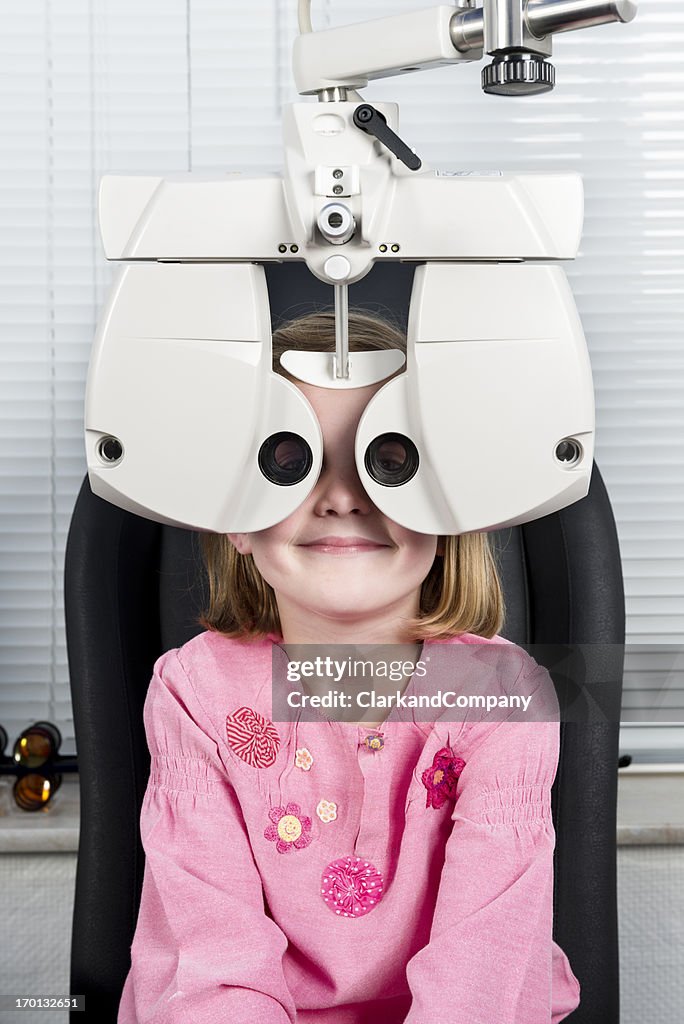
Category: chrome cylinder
<point>551,16</point>
<point>542,17</point>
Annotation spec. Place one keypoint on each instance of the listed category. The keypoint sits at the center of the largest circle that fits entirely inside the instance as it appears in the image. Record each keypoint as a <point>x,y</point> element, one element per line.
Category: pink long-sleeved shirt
<point>295,873</point>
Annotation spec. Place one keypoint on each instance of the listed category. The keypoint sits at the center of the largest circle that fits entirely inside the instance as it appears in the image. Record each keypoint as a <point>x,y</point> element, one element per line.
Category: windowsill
<point>651,805</point>
<point>650,813</point>
<point>52,829</point>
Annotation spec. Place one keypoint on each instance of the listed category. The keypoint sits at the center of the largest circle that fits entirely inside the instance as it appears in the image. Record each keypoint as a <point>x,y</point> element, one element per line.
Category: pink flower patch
<point>441,778</point>
<point>253,737</point>
<point>290,828</point>
<point>351,886</point>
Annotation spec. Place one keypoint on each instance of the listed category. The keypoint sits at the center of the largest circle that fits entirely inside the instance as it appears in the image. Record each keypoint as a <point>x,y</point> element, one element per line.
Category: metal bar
<point>543,17</point>
<point>342,331</point>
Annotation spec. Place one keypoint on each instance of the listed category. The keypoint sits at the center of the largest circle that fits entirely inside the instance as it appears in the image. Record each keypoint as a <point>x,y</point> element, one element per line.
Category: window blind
<point>96,86</point>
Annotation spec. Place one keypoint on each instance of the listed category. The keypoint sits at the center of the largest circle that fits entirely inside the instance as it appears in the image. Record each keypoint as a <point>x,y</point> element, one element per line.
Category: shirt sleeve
<point>491,958</point>
<point>204,948</point>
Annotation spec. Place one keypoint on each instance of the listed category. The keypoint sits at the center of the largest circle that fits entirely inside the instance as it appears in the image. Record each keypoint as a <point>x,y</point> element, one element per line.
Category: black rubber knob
<point>518,74</point>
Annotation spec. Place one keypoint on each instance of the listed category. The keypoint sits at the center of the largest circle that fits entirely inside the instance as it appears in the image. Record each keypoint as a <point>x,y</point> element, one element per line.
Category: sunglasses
<point>36,748</point>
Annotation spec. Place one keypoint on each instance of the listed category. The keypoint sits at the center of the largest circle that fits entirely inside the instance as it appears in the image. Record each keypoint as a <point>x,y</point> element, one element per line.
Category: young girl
<point>343,872</point>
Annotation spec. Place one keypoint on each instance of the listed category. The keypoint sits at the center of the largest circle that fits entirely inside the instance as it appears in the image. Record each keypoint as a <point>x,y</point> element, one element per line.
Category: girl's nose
<point>341,492</point>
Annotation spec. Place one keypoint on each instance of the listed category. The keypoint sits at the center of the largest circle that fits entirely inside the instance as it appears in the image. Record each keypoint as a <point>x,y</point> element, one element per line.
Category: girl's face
<point>350,594</point>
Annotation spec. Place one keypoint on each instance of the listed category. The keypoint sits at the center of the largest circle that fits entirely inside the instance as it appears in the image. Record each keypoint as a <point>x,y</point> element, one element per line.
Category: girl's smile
<point>332,545</point>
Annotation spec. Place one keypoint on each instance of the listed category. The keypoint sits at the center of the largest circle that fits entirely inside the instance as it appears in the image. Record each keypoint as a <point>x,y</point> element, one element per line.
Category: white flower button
<point>326,810</point>
<point>303,759</point>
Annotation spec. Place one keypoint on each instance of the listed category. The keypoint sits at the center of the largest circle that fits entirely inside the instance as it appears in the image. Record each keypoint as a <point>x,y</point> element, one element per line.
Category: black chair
<point>133,589</point>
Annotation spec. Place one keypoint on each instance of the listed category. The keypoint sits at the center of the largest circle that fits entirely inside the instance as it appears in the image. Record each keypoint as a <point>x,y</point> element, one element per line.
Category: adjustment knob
<point>516,74</point>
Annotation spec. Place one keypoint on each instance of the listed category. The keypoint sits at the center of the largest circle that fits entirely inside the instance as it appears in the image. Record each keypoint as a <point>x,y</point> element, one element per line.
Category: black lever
<point>371,121</point>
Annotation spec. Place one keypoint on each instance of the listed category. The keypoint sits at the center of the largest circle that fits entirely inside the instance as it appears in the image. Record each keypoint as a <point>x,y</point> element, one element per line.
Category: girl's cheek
<point>268,560</point>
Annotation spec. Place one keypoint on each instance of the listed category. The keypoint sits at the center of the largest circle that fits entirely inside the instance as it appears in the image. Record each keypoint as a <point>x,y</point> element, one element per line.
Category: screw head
<point>364,114</point>
<point>337,173</point>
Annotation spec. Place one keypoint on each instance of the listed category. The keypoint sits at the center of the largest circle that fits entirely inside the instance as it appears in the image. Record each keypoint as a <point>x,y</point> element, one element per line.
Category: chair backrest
<point>134,588</point>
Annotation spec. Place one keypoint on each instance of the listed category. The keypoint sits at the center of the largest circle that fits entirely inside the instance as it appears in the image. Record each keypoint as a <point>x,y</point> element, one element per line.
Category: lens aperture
<point>391,459</point>
<point>285,458</point>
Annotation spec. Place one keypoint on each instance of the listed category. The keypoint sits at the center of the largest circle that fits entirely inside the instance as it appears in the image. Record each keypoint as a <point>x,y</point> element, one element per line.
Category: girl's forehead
<point>337,408</point>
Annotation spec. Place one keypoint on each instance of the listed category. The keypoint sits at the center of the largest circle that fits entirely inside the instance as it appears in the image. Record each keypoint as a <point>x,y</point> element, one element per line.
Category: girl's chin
<point>355,607</point>
<point>324,612</point>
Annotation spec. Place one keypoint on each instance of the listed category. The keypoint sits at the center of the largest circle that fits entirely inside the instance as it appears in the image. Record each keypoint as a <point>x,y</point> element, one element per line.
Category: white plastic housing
<point>181,375</point>
<point>497,376</point>
<point>319,368</point>
<point>398,214</point>
<point>431,215</point>
<point>497,372</point>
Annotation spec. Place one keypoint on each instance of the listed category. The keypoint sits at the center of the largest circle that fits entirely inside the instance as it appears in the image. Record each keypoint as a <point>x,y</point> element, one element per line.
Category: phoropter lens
<point>285,458</point>
<point>391,459</point>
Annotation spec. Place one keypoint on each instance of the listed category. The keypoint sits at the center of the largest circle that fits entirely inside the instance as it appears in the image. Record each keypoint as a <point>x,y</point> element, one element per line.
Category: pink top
<point>296,873</point>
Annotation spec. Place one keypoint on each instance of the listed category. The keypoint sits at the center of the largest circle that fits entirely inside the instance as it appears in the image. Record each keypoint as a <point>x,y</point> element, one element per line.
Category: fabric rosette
<point>253,738</point>
<point>351,886</point>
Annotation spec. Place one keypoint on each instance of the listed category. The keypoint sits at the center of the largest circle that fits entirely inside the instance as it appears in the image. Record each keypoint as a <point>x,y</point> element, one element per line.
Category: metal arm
<point>517,33</point>
<point>543,17</point>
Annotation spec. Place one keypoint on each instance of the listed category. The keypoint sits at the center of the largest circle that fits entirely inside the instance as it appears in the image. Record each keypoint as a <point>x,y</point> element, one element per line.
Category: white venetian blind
<point>86,87</point>
<point>159,86</point>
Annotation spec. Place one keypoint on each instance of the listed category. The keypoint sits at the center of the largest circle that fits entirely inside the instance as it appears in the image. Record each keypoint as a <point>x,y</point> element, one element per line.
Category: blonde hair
<point>462,592</point>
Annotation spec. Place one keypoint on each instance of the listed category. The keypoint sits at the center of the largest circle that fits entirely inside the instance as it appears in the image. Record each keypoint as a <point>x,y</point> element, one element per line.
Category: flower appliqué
<point>253,738</point>
<point>374,741</point>
<point>303,759</point>
<point>289,829</point>
<point>441,778</point>
<point>326,810</point>
<point>351,886</point>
